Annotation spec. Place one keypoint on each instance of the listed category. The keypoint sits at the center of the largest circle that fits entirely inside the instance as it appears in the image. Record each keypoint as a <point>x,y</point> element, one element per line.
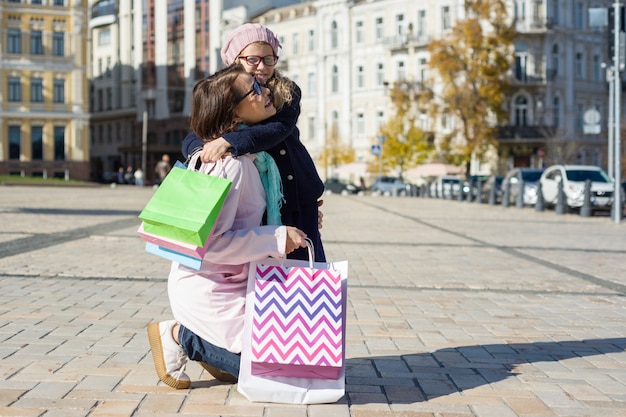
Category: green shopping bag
<point>185,206</point>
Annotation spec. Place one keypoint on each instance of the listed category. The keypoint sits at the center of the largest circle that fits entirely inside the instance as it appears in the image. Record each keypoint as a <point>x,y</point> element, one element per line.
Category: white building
<point>362,47</point>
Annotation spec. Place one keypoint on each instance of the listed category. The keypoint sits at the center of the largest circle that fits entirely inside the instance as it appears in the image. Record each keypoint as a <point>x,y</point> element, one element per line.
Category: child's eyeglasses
<point>269,60</point>
<point>256,89</point>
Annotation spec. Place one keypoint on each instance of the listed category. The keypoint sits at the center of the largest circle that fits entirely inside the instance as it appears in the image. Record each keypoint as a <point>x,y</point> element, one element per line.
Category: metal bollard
<point>507,195</point>
<point>539,205</point>
<point>519,201</point>
<point>469,193</point>
<point>560,199</point>
<point>459,196</point>
<point>492,194</point>
<point>479,192</point>
<point>585,210</point>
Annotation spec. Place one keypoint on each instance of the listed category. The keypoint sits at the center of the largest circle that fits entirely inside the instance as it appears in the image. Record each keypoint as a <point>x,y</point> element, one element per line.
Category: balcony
<point>103,13</point>
<point>533,24</point>
<point>406,41</point>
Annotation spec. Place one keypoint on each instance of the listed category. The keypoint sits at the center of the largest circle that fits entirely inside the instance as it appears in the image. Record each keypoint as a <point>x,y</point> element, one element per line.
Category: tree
<point>471,64</point>
<point>335,153</point>
<point>405,145</point>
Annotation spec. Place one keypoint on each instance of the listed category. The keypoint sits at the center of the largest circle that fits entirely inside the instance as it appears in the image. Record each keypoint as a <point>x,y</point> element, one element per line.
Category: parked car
<point>471,185</point>
<point>336,186</point>
<point>574,177</point>
<point>390,185</point>
<point>530,177</point>
<point>446,187</point>
<point>493,181</point>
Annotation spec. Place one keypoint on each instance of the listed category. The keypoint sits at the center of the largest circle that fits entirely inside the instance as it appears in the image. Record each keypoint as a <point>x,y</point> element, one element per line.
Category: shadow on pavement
<point>422,376</point>
<point>76,212</point>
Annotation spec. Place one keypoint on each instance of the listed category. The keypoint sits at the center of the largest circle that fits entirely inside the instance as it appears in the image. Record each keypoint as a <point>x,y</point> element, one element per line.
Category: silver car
<point>574,177</point>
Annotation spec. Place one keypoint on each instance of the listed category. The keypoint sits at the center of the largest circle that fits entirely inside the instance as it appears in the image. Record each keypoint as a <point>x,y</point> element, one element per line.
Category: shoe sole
<point>154,337</point>
<point>217,374</point>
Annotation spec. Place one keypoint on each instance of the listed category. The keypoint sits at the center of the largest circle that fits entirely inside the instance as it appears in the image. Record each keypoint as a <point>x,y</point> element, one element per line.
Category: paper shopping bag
<point>172,255</point>
<point>311,386</point>
<point>297,322</point>
<point>186,205</point>
<point>174,245</point>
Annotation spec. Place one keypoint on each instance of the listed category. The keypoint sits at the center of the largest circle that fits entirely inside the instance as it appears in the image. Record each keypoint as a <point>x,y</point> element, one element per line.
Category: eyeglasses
<point>256,89</point>
<point>269,60</point>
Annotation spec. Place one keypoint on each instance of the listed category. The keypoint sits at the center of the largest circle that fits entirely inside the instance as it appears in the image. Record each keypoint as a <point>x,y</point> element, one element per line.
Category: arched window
<point>335,79</point>
<point>521,111</point>
<point>334,35</point>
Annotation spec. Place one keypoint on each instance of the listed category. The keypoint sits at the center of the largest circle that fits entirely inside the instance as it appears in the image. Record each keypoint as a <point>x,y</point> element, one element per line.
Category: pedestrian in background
<point>162,168</point>
<point>139,177</point>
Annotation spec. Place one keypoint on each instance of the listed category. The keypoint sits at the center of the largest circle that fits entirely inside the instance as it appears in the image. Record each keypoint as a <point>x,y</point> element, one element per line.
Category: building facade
<point>44,119</point>
<point>363,47</point>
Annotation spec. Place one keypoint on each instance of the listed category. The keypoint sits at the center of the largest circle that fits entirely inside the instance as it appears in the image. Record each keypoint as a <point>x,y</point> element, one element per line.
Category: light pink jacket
<point>210,302</point>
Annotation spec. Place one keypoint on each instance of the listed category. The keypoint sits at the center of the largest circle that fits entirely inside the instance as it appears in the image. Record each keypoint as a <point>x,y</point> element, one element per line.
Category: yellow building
<point>44,119</point>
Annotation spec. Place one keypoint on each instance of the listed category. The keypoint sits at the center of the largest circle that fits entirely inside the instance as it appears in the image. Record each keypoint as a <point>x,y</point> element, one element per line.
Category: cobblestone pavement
<point>455,309</point>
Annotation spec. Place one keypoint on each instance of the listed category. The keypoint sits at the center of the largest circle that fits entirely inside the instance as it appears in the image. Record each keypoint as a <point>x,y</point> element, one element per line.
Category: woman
<point>256,48</point>
<point>208,305</point>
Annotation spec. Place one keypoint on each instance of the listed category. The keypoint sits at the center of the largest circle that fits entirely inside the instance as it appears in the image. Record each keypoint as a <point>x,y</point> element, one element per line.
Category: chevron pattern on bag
<point>297,316</point>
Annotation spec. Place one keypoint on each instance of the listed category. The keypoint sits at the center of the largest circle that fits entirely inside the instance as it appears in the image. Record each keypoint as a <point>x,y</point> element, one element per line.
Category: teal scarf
<point>272,184</point>
<point>270,177</point>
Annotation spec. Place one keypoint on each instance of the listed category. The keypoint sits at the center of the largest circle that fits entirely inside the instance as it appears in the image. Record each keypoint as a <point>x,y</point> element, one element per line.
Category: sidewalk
<point>455,309</point>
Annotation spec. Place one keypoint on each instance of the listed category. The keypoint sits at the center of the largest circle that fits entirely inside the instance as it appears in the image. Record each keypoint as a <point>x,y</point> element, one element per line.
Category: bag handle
<point>196,164</point>
<point>309,246</point>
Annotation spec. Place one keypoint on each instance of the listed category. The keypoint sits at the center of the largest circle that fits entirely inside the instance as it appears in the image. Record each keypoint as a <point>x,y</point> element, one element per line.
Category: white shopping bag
<point>280,389</point>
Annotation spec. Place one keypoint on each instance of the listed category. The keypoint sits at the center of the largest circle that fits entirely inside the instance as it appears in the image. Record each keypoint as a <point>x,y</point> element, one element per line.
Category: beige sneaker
<point>169,358</point>
<point>218,374</point>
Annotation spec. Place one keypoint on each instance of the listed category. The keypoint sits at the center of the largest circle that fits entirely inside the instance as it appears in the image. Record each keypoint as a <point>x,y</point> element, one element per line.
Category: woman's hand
<point>295,239</point>
<point>214,150</point>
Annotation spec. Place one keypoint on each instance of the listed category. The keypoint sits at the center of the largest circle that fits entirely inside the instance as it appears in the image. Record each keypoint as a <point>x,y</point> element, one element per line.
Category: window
<point>335,79</point>
<point>311,128</point>
<point>360,124</point>
<point>380,119</point>
<point>36,89</point>
<point>36,141</point>
<point>58,44</point>
<point>380,30</point>
<point>580,111</point>
<point>521,61</point>
<point>579,11</point>
<point>311,41</point>
<point>59,143</point>
<point>35,1</point>
<point>311,87</point>
<point>555,60</point>
<point>36,42</point>
<point>579,66</point>
<point>15,89</point>
<point>557,112</point>
<point>295,43</point>
<point>446,22</point>
<point>380,74</point>
<point>334,35</point>
<point>58,91</point>
<point>14,41</point>
<point>401,70</point>
<point>422,25</point>
<point>15,141</point>
<point>555,12</point>
<point>358,33</point>
<point>423,70</point>
<point>400,26</point>
<point>58,3</point>
<point>360,77</point>
<point>521,111</point>
<point>104,37</point>
<point>597,68</point>
<point>519,11</point>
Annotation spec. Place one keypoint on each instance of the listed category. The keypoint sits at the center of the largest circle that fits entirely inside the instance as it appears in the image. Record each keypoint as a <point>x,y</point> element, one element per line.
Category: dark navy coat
<point>302,186</point>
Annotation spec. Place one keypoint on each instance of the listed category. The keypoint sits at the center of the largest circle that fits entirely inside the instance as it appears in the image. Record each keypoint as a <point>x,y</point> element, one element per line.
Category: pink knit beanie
<point>243,36</point>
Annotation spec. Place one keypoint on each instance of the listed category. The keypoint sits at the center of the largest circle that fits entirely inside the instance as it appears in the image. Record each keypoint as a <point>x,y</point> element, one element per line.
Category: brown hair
<point>213,103</point>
